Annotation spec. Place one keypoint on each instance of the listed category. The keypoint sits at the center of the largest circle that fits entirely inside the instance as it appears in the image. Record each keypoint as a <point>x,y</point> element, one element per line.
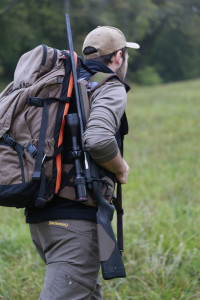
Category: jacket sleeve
<point>107,107</point>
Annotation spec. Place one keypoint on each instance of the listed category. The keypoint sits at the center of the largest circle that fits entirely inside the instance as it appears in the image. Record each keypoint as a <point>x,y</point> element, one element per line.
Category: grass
<point>161,202</point>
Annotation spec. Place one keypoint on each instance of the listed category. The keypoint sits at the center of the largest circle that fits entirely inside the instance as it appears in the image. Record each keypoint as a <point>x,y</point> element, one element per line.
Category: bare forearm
<point>117,166</point>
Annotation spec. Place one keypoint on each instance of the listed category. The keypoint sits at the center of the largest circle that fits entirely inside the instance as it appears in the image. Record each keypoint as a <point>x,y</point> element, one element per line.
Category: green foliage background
<point>167,30</point>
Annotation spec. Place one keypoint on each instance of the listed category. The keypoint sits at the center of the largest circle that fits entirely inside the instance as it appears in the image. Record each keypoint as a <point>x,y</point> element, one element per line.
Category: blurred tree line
<point>167,30</point>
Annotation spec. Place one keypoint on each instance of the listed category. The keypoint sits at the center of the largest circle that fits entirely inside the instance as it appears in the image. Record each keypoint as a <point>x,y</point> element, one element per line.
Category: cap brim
<point>132,45</point>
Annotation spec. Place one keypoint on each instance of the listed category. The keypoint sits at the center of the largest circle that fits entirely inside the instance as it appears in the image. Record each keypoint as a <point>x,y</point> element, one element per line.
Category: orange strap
<point>60,139</point>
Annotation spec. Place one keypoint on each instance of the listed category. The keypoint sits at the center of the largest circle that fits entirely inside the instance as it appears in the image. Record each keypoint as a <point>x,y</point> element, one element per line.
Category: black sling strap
<point>42,102</point>
<point>118,206</point>
<point>118,200</point>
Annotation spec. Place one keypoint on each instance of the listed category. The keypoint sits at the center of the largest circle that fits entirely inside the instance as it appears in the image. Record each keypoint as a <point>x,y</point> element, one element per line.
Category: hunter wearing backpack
<point>64,230</point>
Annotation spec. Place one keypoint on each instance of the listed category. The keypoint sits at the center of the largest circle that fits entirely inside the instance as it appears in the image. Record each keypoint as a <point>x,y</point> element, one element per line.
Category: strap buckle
<point>35,101</point>
<point>31,149</point>
<point>9,140</point>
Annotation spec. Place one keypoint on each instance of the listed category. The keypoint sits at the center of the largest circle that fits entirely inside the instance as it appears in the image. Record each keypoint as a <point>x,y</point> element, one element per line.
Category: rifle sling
<point>118,206</point>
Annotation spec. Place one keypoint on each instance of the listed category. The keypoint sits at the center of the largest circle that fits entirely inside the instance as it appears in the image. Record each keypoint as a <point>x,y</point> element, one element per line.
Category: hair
<point>106,59</point>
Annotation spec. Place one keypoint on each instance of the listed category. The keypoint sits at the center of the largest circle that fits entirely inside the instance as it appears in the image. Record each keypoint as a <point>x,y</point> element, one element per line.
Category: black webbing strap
<point>66,176</point>
<point>12,143</point>
<point>42,102</point>
<point>54,58</point>
<point>40,201</point>
<point>39,102</point>
<point>41,142</point>
<point>56,152</point>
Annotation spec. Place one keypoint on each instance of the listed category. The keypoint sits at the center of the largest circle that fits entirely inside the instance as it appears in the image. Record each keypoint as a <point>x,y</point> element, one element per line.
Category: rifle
<point>111,260</point>
<point>79,179</point>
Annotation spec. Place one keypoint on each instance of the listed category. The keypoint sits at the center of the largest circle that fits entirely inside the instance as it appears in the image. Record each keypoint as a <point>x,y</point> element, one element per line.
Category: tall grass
<point>161,202</point>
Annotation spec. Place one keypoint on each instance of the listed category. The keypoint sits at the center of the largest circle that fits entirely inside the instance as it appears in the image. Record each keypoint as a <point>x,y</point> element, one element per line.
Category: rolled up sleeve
<point>107,107</point>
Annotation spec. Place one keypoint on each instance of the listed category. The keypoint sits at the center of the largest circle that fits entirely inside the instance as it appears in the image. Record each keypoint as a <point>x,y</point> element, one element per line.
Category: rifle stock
<point>110,256</point>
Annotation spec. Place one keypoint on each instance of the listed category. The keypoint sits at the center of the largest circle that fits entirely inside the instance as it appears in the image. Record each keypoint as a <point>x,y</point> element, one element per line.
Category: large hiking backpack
<point>32,118</point>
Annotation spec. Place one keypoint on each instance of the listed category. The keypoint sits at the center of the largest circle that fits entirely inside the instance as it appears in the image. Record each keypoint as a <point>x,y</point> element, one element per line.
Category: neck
<point>113,67</point>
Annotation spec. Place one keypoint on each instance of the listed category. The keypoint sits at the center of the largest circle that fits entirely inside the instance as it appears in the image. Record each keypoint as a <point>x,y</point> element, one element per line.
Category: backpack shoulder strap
<point>99,79</point>
<point>84,94</point>
<point>88,87</point>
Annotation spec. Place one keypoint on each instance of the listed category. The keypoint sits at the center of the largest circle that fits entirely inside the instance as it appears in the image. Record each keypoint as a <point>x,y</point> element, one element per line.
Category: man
<point>64,231</point>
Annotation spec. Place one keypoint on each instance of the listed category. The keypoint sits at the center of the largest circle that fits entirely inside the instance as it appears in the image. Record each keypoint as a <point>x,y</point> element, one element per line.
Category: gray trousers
<point>70,251</point>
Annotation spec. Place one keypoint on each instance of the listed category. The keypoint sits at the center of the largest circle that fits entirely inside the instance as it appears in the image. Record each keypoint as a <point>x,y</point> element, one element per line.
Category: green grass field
<point>161,202</point>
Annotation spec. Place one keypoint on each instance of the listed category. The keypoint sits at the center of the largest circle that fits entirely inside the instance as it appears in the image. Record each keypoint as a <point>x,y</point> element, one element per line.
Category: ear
<point>118,58</point>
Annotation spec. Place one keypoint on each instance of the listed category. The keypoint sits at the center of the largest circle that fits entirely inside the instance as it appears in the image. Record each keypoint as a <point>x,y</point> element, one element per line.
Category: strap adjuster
<point>31,149</point>
<point>9,140</point>
<point>35,101</point>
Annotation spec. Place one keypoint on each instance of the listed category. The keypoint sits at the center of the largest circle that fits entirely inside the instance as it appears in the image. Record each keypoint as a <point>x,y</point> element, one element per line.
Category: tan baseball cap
<point>106,40</point>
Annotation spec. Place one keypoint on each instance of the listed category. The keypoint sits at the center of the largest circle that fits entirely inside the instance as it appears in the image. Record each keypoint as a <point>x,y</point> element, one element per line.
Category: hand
<point>117,166</point>
<point>123,175</point>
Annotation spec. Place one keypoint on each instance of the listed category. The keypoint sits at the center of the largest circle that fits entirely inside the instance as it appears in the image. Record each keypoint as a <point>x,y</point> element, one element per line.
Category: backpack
<point>32,118</point>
